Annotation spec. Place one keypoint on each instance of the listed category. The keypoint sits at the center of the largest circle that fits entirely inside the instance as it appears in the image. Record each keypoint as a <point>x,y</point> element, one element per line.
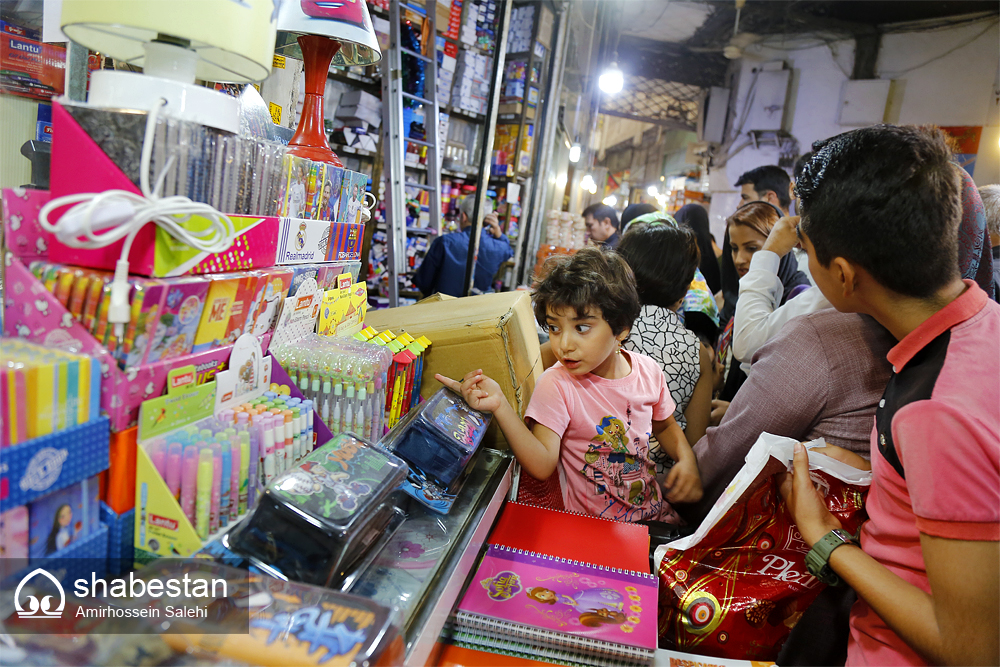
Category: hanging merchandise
<point>413,68</point>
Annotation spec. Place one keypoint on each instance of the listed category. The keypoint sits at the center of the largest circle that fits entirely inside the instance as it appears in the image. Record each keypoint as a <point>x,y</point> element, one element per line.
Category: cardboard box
<point>495,332</point>
<point>357,113</point>
<point>361,98</point>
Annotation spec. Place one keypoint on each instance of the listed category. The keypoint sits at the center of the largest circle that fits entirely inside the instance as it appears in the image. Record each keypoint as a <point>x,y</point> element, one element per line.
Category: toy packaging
<point>737,586</point>
<point>352,197</point>
<point>62,518</point>
<point>315,521</point>
<point>182,308</point>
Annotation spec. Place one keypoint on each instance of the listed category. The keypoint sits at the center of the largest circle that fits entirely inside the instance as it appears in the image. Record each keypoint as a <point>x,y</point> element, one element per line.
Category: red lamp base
<point>310,138</point>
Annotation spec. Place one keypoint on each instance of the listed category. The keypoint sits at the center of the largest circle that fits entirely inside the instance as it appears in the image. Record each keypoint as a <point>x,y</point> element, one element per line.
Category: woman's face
<point>743,243</point>
<point>65,516</point>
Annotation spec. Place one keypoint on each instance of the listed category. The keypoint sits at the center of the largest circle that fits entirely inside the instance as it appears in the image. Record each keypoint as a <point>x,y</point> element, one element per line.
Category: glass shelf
<point>422,569</point>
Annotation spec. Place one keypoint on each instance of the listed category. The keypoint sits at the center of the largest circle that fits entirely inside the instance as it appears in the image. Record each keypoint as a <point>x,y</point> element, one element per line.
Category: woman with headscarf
<point>696,217</point>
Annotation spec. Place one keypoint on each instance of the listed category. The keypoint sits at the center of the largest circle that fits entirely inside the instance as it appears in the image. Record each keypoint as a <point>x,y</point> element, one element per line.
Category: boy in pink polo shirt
<point>881,207</point>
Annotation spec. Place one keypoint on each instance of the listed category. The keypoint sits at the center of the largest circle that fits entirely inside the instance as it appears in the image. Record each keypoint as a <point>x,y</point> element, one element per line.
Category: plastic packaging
<point>319,518</point>
<point>439,438</point>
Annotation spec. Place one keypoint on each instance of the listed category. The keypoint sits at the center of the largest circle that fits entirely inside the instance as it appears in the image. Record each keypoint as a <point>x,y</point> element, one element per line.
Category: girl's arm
<point>683,483</point>
<point>699,409</point>
<point>536,450</point>
<point>955,624</point>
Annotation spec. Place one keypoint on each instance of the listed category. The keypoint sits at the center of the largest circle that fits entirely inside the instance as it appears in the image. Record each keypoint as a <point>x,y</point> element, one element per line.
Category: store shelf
<point>466,115</point>
<point>353,79</point>
<point>340,148</point>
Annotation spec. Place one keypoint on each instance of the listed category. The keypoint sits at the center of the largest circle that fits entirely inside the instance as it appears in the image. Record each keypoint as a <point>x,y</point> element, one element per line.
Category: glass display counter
<point>422,568</point>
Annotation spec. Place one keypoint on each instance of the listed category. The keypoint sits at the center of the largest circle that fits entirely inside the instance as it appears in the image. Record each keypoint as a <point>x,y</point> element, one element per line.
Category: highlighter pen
<point>236,456</point>
<point>308,407</point>
<point>289,449</point>
<point>297,444</point>
<point>189,482</point>
<point>225,482</point>
<point>256,449</point>
<point>268,451</point>
<point>204,506</point>
<point>159,456</point>
<point>278,429</point>
<point>362,426</point>
<point>347,416</point>
<point>213,519</point>
<point>174,469</point>
<point>143,494</point>
<point>246,455</point>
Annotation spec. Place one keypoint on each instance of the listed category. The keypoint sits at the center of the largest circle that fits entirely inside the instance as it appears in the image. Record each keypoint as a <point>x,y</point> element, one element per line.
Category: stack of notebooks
<point>562,588</point>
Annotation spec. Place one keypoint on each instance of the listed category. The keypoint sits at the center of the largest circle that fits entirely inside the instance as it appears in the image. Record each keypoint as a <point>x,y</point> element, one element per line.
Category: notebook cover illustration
<point>563,602</point>
<point>574,536</point>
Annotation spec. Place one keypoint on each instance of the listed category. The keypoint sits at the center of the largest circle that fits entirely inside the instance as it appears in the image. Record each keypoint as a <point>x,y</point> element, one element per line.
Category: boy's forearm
<point>906,609</point>
<point>534,457</point>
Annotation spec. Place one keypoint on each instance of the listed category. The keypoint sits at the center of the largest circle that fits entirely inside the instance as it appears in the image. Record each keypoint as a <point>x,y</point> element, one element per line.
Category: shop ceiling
<point>671,51</point>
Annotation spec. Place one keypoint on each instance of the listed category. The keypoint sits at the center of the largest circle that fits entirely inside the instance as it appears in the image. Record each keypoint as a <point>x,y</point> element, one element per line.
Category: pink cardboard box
<point>33,313</point>
<point>79,165</point>
<point>24,235</point>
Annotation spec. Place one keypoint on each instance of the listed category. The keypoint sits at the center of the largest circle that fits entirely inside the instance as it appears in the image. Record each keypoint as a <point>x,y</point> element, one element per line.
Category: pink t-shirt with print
<point>605,425</point>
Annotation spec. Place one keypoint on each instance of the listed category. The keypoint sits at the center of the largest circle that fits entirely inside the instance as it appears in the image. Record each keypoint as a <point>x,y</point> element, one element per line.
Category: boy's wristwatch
<point>818,558</point>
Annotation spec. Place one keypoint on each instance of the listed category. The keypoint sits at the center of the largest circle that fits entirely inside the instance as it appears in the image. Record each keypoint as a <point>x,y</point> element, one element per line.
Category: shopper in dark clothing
<point>443,268</point>
<point>633,211</point>
<point>602,224</point>
<point>696,217</point>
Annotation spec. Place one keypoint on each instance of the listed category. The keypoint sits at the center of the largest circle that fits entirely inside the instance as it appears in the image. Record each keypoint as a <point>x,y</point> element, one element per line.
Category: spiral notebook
<point>558,608</point>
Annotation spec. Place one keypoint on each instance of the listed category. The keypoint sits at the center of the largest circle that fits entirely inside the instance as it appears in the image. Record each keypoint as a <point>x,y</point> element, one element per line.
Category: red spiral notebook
<point>573,536</point>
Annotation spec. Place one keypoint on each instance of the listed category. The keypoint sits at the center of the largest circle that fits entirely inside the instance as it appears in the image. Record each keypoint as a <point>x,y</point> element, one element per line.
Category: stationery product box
<point>357,113</point>
<point>36,315</point>
<point>63,518</point>
<point>22,233</point>
<point>316,520</point>
<point>361,98</point>
<point>495,332</point>
<point>179,319</point>
<point>439,438</point>
<point>311,241</point>
<point>147,304</point>
<point>214,322</point>
<point>243,307</point>
<point>79,165</point>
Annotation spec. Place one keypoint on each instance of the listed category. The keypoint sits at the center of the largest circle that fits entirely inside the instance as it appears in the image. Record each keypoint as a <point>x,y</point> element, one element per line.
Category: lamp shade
<point>346,21</point>
<point>233,39</point>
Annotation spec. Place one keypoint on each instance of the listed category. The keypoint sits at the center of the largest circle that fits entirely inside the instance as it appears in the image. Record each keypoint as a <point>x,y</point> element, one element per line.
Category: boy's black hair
<point>593,277</point>
<point>888,199</point>
<point>600,211</point>
<point>769,177</point>
<point>663,258</point>
<point>800,164</point>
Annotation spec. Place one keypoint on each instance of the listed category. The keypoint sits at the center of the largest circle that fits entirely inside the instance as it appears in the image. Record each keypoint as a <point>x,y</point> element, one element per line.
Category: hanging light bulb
<point>651,190</point>
<point>574,153</point>
<point>561,180</point>
<point>612,80</point>
<point>610,200</point>
<point>587,183</point>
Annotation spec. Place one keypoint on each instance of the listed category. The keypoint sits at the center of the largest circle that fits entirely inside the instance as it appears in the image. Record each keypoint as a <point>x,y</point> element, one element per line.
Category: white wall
<point>956,89</point>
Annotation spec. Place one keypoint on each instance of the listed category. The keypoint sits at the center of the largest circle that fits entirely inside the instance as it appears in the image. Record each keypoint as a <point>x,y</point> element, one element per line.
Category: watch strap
<point>818,558</point>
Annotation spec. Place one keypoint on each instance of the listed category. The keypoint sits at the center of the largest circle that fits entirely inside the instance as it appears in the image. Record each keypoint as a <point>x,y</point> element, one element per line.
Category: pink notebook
<point>531,604</point>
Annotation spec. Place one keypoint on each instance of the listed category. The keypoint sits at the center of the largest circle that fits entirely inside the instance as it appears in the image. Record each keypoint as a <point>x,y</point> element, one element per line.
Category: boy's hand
<point>804,501</point>
<point>844,456</point>
<point>683,482</point>
<point>480,391</point>
<point>782,238</point>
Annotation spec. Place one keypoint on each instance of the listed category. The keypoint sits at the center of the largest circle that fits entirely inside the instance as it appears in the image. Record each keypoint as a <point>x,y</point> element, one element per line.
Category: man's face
<point>748,194</point>
<point>601,230</point>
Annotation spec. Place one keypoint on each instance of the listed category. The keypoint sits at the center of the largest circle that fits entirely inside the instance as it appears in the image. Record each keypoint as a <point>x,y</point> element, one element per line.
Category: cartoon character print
<point>595,606</point>
<point>247,375</point>
<point>619,473</point>
<point>311,478</point>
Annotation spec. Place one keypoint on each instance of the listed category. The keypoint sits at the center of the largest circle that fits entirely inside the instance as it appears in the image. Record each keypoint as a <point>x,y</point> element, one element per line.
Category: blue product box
<point>63,518</point>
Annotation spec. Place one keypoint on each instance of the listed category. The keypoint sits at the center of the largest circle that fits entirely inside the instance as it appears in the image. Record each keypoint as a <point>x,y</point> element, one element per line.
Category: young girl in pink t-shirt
<point>593,412</point>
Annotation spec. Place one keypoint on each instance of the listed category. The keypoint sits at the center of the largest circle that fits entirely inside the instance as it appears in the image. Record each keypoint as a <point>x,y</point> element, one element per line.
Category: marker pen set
<point>405,377</point>
<point>217,467</point>
<point>345,379</point>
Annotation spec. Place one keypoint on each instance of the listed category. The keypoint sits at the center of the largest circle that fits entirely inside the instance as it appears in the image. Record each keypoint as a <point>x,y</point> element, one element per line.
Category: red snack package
<point>737,586</point>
